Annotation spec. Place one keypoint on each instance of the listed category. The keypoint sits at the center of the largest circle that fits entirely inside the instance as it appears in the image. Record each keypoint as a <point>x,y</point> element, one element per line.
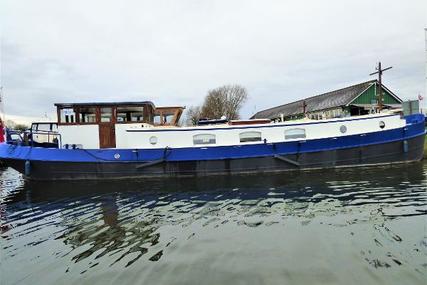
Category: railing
<point>34,138</point>
<point>44,138</point>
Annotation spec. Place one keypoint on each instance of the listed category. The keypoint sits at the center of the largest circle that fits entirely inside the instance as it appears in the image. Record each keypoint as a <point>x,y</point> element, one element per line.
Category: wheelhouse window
<point>157,119</point>
<point>297,133</point>
<point>130,114</point>
<point>68,116</point>
<point>87,115</point>
<point>203,139</point>
<point>44,127</point>
<point>168,118</point>
<point>106,115</point>
<point>250,136</point>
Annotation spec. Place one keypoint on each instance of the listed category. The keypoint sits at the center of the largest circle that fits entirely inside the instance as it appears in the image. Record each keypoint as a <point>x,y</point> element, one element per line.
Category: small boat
<point>137,140</point>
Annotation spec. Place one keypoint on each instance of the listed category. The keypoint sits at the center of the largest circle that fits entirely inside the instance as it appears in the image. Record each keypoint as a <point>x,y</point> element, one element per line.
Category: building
<point>354,100</point>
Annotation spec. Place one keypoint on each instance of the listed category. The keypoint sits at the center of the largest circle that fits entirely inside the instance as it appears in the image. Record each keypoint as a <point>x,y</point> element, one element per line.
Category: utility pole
<point>304,107</point>
<point>380,71</point>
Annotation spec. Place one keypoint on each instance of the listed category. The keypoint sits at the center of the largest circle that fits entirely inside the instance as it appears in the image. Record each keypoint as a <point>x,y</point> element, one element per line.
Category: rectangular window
<point>168,118</point>
<point>106,115</point>
<point>157,120</point>
<point>295,134</point>
<point>250,136</point>
<point>130,114</point>
<point>68,116</point>
<point>87,115</point>
<point>204,139</point>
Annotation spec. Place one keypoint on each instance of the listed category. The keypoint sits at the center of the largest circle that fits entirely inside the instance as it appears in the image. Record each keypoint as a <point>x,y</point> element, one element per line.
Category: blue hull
<point>405,144</point>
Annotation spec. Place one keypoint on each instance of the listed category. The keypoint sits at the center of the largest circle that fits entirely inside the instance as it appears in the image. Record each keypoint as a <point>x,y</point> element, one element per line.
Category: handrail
<point>54,135</point>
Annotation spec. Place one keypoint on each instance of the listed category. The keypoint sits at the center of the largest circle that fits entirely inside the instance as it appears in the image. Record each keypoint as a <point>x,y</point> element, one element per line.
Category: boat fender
<point>27,168</point>
<point>405,146</point>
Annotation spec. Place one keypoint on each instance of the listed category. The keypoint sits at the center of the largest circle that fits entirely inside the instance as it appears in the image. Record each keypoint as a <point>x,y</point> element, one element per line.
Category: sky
<point>173,52</point>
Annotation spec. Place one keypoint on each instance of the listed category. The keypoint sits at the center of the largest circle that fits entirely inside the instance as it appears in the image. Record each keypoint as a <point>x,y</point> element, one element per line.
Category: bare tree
<point>193,115</point>
<point>225,101</point>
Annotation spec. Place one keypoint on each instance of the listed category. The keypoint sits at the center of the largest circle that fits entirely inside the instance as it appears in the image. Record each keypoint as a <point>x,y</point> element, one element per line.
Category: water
<point>352,226</point>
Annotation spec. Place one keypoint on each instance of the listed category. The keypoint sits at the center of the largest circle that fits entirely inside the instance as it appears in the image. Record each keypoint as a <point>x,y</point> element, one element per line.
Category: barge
<point>137,140</point>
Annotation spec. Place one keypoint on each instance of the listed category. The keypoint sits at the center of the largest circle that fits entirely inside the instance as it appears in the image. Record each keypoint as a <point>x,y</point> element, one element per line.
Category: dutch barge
<point>137,140</point>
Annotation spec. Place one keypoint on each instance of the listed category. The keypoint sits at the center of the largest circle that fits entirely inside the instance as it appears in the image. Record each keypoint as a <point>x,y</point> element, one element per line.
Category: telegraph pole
<point>304,107</point>
<point>379,71</point>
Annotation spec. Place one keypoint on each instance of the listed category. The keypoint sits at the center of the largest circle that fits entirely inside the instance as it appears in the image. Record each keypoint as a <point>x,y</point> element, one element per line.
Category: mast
<point>379,71</point>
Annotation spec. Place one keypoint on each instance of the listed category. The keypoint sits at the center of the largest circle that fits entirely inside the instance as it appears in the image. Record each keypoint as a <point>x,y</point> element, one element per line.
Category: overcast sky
<point>173,52</point>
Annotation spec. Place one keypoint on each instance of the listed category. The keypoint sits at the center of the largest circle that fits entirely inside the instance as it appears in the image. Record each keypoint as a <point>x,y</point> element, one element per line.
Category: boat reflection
<point>120,222</point>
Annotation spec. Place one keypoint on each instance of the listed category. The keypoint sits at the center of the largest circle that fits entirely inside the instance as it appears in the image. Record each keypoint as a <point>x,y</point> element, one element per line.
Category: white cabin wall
<point>183,137</point>
<point>86,135</point>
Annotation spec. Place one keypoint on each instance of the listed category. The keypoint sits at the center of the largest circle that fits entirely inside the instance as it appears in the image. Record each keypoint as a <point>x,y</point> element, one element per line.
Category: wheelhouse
<point>98,123</point>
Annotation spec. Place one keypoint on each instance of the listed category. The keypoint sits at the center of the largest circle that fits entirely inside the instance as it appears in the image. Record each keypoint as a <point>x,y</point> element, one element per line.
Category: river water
<point>347,226</point>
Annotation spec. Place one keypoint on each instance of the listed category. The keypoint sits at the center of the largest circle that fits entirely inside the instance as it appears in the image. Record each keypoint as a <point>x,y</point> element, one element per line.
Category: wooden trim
<point>77,113</point>
<point>58,114</point>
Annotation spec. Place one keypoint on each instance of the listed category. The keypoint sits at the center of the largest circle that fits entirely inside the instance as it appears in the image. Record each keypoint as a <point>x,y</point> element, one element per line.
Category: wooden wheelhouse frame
<point>107,128</point>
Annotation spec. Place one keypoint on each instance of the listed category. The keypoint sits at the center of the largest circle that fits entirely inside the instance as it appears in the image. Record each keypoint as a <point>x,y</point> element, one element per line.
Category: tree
<point>21,127</point>
<point>225,101</point>
<point>16,126</point>
<point>193,115</point>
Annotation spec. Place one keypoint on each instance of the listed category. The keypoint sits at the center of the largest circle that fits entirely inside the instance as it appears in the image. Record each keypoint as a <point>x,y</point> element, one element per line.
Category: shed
<point>353,100</point>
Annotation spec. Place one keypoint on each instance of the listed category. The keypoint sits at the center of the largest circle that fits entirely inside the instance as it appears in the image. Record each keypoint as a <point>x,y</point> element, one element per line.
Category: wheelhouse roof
<point>134,103</point>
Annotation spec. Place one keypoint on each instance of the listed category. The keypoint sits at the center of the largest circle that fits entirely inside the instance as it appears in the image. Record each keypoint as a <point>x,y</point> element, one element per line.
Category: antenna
<point>379,71</point>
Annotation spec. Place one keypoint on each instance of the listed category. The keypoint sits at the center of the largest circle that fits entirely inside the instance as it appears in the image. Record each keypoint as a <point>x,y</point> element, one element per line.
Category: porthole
<point>343,129</point>
<point>117,156</point>
<point>153,140</point>
<point>382,124</point>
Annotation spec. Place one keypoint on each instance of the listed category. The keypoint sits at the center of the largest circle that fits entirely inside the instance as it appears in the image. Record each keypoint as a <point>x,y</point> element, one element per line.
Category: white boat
<point>136,139</point>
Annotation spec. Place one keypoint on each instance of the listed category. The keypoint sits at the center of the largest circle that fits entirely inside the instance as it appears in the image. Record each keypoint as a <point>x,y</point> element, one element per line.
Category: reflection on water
<point>352,226</point>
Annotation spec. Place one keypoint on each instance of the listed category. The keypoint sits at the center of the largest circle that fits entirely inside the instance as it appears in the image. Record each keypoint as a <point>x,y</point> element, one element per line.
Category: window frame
<point>249,139</point>
<point>295,136</point>
<point>204,143</point>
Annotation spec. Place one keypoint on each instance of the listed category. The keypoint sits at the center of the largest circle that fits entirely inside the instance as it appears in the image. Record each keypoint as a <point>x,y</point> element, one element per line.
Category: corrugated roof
<point>333,99</point>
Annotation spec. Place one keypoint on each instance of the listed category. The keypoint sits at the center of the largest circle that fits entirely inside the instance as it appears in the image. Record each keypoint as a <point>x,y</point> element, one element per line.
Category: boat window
<point>250,136</point>
<point>204,139</point>
<point>343,129</point>
<point>156,119</point>
<point>43,127</point>
<point>297,133</point>
<point>87,115</point>
<point>68,116</point>
<point>130,114</point>
<point>153,140</point>
<point>106,115</point>
<point>168,118</point>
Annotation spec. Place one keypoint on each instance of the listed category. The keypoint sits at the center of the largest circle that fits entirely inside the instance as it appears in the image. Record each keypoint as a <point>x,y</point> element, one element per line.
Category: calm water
<point>360,226</point>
